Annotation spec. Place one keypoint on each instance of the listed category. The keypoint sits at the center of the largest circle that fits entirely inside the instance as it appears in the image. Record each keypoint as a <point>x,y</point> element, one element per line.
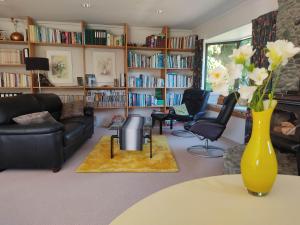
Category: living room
<point>149,112</point>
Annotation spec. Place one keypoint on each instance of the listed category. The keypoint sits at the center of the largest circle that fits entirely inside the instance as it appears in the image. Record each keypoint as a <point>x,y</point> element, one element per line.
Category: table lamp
<point>37,64</point>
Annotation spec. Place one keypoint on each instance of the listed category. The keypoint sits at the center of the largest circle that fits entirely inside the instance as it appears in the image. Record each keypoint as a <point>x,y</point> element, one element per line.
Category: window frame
<point>219,43</point>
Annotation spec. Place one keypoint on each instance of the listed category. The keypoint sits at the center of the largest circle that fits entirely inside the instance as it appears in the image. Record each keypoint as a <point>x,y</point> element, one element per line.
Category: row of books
<point>145,81</point>
<point>179,61</point>
<point>156,41</point>
<point>144,61</point>
<point>103,37</point>
<point>182,42</point>
<point>71,98</point>
<point>106,98</point>
<point>11,56</point>
<point>14,80</point>
<point>174,99</point>
<point>51,35</point>
<point>141,100</point>
<point>5,95</point>
<point>179,80</point>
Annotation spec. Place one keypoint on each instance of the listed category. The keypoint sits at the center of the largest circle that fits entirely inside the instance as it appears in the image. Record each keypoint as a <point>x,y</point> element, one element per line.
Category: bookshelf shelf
<point>146,107</point>
<point>60,87</point>
<point>105,88</point>
<point>10,88</point>
<point>144,48</point>
<point>181,49</point>
<point>104,46</point>
<point>57,44</point>
<point>9,42</point>
<point>144,68</point>
<point>12,65</point>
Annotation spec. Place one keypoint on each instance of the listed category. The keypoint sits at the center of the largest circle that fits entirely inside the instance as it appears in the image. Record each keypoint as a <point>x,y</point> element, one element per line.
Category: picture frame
<point>60,67</point>
<point>104,67</point>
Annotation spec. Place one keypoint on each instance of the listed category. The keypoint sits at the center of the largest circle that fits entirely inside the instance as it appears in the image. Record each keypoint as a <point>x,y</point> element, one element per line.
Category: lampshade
<point>36,63</point>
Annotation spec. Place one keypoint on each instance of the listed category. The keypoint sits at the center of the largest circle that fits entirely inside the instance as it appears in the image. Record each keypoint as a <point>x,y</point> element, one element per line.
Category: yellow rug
<point>99,159</point>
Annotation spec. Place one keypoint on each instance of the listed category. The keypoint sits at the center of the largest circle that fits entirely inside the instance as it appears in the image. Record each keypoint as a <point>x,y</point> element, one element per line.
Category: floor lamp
<point>37,64</point>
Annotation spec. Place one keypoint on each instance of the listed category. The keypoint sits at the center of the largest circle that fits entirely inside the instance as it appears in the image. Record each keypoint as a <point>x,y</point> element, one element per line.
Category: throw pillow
<point>181,110</point>
<point>72,109</point>
<point>34,118</point>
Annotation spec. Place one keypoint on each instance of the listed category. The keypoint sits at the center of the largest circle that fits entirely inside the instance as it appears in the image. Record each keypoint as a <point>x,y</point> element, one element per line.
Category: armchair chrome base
<point>206,151</point>
<point>182,133</point>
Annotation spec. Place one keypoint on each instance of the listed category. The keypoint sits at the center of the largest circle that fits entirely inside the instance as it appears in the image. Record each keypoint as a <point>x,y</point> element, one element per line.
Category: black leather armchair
<point>211,129</point>
<point>47,145</point>
<point>195,101</point>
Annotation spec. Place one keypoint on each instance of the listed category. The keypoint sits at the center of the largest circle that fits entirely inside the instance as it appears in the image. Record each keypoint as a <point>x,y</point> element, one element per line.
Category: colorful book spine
<point>11,56</point>
<point>14,80</point>
<point>156,41</point>
<point>106,98</point>
<point>41,34</point>
<point>145,81</point>
<point>174,99</point>
<point>174,80</point>
<point>180,62</point>
<point>141,100</point>
<point>187,42</point>
<point>143,61</point>
<point>103,37</point>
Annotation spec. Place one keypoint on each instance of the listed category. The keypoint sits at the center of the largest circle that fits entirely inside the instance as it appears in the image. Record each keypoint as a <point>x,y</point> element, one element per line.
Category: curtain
<point>198,61</point>
<point>263,30</point>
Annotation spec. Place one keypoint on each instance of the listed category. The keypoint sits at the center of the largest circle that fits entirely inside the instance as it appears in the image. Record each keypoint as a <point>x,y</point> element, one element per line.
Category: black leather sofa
<point>47,145</point>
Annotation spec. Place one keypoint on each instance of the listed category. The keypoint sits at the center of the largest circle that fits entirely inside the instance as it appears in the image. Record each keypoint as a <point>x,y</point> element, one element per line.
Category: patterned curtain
<point>198,61</point>
<point>263,30</point>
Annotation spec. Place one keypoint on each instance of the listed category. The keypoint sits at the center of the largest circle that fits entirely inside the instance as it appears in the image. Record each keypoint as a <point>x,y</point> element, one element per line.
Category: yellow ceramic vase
<point>259,163</point>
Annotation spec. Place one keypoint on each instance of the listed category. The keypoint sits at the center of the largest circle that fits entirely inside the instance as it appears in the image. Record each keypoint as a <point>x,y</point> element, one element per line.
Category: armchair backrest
<point>227,108</point>
<point>195,100</point>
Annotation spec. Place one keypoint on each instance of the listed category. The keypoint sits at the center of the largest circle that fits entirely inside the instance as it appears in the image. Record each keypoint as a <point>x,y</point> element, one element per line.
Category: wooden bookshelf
<point>161,72</point>
<point>9,42</point>
<point>143,48</point>
<point>10,88</point>
<point>57,44</point>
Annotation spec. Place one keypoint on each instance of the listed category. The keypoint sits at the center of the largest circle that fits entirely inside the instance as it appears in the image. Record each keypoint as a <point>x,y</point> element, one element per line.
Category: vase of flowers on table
<point>252,87</point>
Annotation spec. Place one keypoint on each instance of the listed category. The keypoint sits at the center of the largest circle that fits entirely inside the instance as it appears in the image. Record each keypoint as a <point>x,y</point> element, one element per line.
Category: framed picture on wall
<point>104,67</point>
<point>60,67</point>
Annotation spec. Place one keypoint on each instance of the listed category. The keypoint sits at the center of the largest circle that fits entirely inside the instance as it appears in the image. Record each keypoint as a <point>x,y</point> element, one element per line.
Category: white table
<point>219,200</point>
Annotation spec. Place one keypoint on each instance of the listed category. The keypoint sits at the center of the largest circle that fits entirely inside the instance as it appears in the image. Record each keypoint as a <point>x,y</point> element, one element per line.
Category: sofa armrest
<point>88,111</point>
<point>43,128</point>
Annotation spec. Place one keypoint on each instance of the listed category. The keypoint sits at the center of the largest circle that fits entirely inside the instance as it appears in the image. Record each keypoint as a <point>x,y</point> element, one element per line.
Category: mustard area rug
<point>99,159</point>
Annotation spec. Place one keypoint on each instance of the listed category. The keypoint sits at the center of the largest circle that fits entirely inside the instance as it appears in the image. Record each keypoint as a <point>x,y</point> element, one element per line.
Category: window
<point>217,55</point>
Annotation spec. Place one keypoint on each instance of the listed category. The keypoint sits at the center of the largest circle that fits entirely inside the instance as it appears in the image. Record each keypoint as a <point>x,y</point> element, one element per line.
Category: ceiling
<point>183,14</point>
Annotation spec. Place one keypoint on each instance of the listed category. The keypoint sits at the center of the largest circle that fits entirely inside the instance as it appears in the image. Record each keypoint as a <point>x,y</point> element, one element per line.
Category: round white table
<point>219,200</point>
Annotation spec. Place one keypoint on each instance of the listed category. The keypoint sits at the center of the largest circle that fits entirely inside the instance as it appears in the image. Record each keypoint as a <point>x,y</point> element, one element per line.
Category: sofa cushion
<point>85,120</point>
<point>34,118</point>
<point>72,109</point>
<point>11,107</point>
<point>74,131</point>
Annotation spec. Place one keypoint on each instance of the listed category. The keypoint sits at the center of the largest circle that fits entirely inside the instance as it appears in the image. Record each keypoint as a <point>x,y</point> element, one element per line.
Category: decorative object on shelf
<point>90,80</point>
<point>3,35</point>
<point>104,67</point>
<point>80,81</point>
<point>258,164</point>
<point>45,81</point>
<point>60,67</point>
<point>16,36</point>
<point>37,64</point>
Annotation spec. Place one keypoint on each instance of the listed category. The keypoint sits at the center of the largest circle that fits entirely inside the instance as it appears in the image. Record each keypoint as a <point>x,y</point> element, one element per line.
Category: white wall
<point>238,16</point>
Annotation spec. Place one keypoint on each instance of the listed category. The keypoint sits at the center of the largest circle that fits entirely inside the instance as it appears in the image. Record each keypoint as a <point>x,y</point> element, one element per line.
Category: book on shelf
<point>145,81</point>
<point>173,99</point>
<point>12,56</point>
<point>41,34</point>
<point>71,98</point>
<point>5,95</point>
<point>137,60</point>
<point>142,100</point>
<point>102,37</point>
<point>180,61</point>
<point>14,80</point>
<point>175,80</point>
<point>156,41</point>
<point>187,42</point>
<point>106,98</point>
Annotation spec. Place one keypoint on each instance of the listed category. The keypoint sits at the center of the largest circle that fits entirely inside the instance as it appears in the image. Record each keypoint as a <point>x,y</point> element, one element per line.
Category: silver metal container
<point>132,134</point>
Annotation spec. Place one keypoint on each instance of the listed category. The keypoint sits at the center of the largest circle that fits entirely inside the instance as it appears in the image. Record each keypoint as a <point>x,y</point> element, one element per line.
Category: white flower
<point>218,75</point>
<point>242,54</point>
<point>234,71</point>
<point>221,88</point>
<point>279,52</point>
<point>258,75</point>
<point>246,92</point>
